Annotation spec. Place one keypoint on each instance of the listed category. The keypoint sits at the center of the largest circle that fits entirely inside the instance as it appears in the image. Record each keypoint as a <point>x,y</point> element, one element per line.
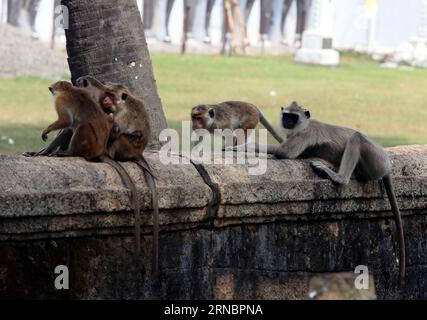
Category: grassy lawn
<point>389,105</point>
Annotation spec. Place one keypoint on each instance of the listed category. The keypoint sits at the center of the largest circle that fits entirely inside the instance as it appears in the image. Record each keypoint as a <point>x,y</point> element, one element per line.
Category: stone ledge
<point>224,234</point>
<point>66,197</point>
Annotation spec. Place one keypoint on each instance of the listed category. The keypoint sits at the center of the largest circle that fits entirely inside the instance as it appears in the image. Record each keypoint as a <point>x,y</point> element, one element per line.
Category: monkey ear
<point>307,114</point>
<point>124,96</point>
<point>211,113</point>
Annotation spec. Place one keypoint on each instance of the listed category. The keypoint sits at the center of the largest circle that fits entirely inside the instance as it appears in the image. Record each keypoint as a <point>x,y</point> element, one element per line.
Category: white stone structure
<point>414,51</point>
<point>374,26</point>
<point>317,39</point>
<point>3,11</point>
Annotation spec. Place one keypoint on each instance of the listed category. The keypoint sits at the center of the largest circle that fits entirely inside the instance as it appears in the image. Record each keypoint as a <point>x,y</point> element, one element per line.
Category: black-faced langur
<point>350,150</point>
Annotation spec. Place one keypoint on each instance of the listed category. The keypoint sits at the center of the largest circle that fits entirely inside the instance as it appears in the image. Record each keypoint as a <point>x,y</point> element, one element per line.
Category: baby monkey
<point>346,148</point>
<point>230,115</point>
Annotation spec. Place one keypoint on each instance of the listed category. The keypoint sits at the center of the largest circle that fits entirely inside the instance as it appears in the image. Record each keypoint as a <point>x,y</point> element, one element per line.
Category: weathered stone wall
<point>22,55</point>
<point>224,234</point>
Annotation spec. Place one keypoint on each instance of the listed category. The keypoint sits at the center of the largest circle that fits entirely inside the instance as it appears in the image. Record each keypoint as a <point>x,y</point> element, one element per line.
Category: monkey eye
<point>109,95</point>
<point>85,83</point>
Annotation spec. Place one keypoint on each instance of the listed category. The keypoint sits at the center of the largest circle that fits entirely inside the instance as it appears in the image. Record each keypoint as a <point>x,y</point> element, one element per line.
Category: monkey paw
<point>320,168</point>
<point>44,135</point>
<point>29,154</point>
<point>325,172</point>
<point>318,165</point>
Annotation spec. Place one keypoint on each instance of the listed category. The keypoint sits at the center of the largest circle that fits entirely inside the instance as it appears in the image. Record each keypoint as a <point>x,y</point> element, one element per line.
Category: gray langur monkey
<point>352,151</point>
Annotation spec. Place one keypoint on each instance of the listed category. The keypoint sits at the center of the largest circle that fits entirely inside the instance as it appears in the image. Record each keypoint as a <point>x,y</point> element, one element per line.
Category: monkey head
<point>113,93</point>
<point>123,98</point>
<point>294,118</point>
<point>104,93</point>
<point>202,117</point>
<point>91,84</point>
<point>60,86</point>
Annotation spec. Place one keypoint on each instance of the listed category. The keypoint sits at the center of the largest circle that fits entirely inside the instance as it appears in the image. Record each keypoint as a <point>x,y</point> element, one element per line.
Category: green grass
<point>389,105</point>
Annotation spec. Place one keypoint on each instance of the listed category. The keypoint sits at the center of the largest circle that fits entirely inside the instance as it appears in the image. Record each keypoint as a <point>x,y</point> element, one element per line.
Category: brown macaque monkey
<point>129,139</point>
<point>91,129</point>
<point>105,98</point>
<point>130,116</point>
<point>230,115</point>
<point>135,130</point>
<point>104,94</point>
<point>76,110</point>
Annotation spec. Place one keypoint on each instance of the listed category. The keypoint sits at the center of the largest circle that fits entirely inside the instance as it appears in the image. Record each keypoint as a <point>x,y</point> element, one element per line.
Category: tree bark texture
<point>106,39</point>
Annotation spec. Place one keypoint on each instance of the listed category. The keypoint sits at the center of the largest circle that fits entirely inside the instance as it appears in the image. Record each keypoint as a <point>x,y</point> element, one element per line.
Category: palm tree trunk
<point>106,39</point>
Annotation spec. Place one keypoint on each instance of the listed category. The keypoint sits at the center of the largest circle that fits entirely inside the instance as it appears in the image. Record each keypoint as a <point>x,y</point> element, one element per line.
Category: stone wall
<point>22,55</point>
<point>224,233</point>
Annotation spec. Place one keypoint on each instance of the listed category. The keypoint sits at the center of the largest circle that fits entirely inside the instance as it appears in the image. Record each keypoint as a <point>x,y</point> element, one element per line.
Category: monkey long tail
<point>128,182</point>
<point>394,207</point>
<point>270,129</point>
<point>149,178</point>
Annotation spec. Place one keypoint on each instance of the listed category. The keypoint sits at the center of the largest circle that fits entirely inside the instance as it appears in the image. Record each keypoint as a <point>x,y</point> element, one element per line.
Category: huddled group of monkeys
<point>105,122</point>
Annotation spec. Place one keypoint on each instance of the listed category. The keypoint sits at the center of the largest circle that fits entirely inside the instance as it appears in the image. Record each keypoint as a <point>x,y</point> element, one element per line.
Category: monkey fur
<point>90,129</point>
<point>130,141</point>
<point>350,150</point>
<point>230,115</point>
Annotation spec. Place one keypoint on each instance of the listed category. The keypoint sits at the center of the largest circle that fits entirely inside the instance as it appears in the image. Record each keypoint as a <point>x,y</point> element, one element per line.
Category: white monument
<point>317,40</point>
<point>414,51</point>
<point>420,42</point>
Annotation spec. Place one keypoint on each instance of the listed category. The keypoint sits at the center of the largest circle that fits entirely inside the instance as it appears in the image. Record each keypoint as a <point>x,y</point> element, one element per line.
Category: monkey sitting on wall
<point>130,115</point>
<point>91,127</point>
<point>230,115</point>
<point>352,151</point>
<point>88,130</point>
<point>130,139</point>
